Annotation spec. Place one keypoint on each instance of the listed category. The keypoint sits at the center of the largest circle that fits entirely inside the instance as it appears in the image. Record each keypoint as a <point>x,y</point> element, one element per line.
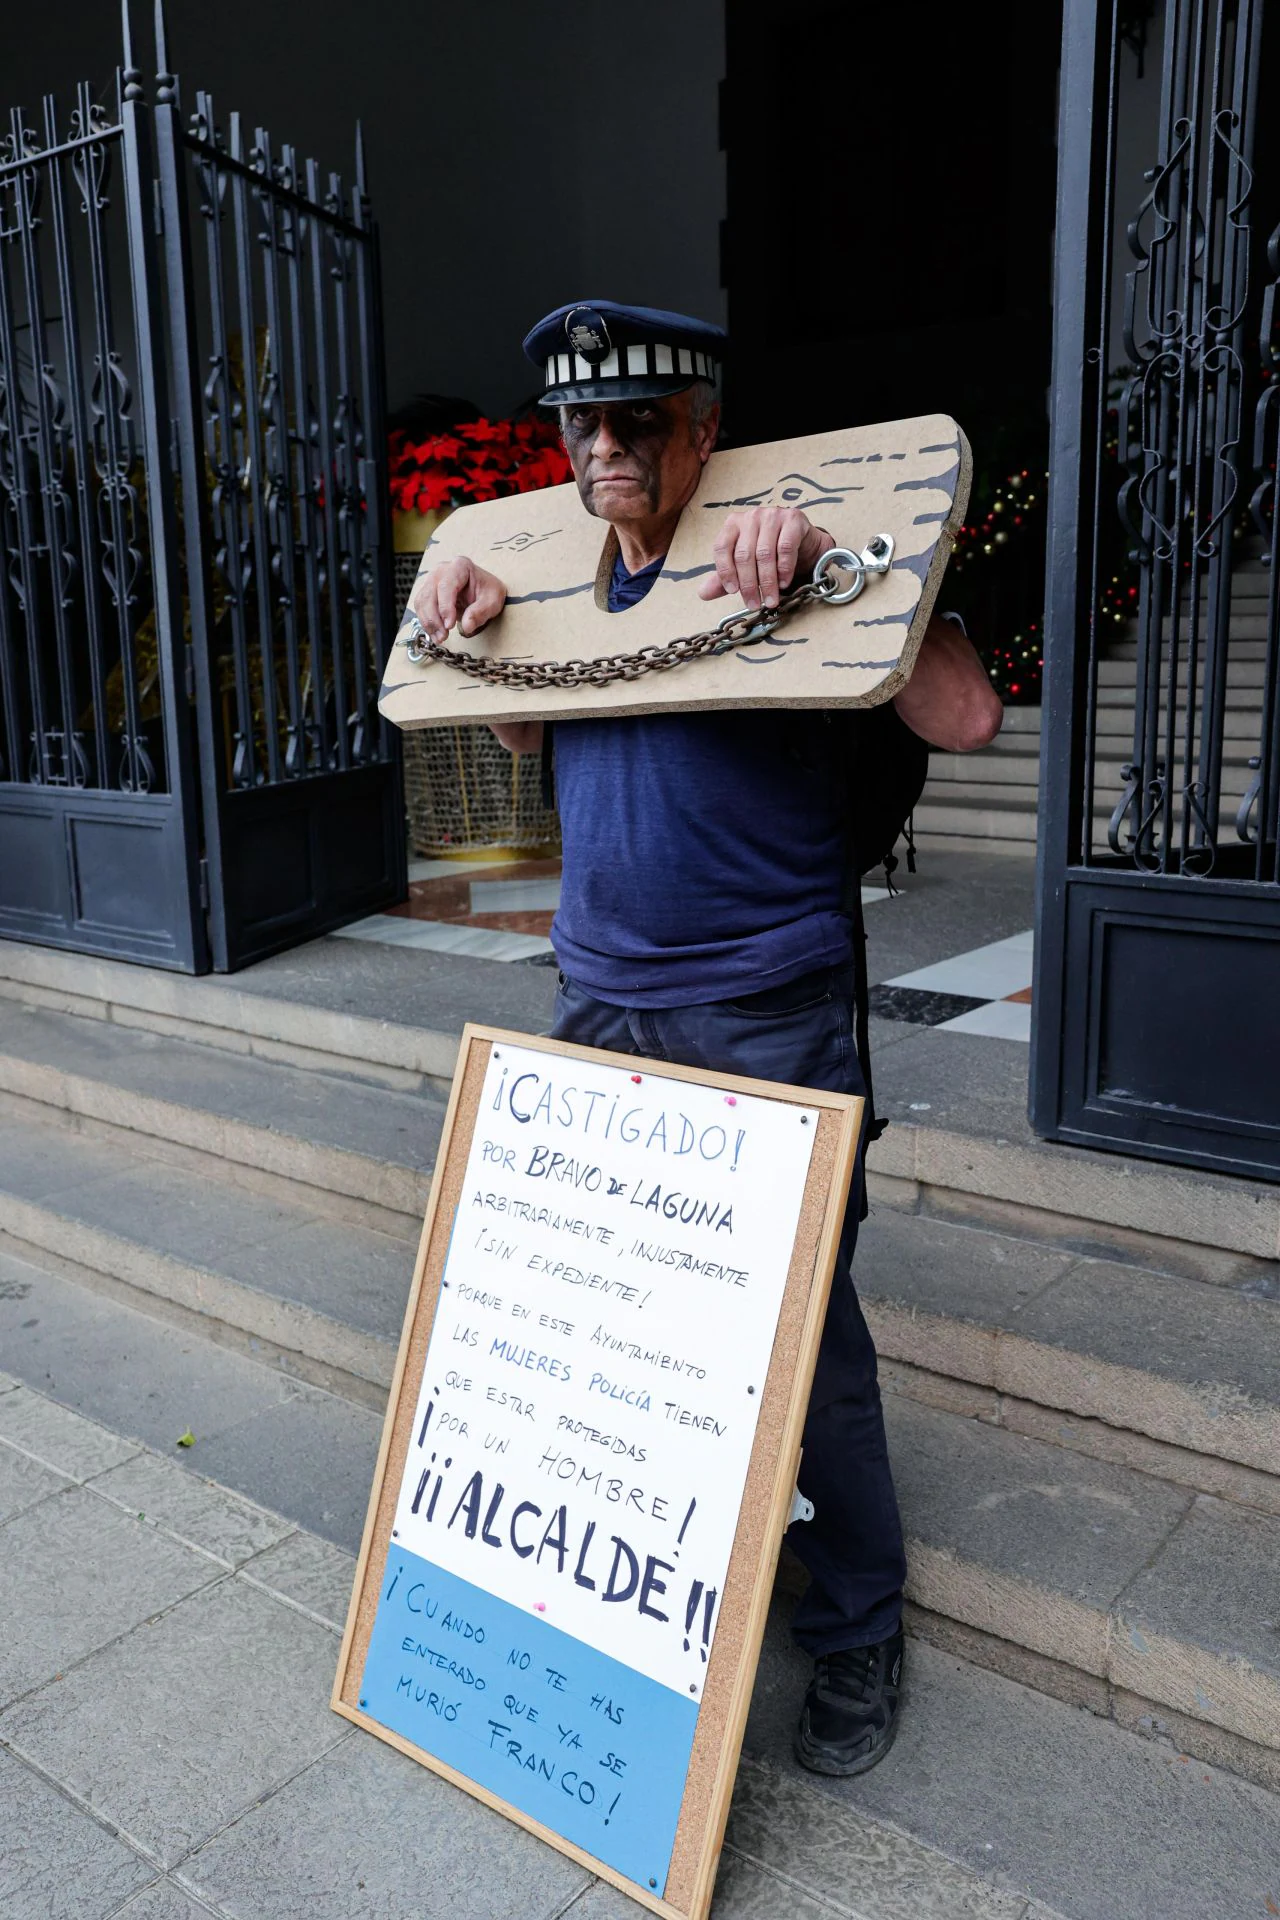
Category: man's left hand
<point>760,552</point>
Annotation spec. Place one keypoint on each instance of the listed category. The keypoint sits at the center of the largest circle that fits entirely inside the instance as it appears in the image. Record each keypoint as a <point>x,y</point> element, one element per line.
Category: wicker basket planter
<point>464,793</point>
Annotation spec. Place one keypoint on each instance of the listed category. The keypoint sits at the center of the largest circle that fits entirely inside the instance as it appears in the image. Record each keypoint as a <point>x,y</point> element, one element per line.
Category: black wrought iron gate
<point>195,558</point>
<point>1157,1004</point>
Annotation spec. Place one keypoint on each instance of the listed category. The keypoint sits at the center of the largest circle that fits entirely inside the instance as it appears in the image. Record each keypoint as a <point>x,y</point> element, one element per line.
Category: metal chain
<point>745,629</point>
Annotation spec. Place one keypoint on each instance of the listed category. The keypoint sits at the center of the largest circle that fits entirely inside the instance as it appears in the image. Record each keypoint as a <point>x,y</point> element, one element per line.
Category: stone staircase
<point>986,801</point>
<point>1079,1351</point>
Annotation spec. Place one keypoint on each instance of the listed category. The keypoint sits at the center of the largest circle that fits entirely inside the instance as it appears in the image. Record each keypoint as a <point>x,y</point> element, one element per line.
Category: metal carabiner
<point>766,620</point>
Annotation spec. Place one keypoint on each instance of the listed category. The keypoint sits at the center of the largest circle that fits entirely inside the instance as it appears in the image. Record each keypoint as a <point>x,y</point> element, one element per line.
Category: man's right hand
<point>460,593</point>
<point>457,593</point>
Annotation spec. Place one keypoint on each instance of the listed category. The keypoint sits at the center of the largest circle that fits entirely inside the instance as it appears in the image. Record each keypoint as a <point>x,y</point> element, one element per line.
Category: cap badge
<point>588,335</point>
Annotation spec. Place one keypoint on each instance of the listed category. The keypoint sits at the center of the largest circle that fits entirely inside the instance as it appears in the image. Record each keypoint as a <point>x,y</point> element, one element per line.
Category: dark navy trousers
<point>801,1033</point>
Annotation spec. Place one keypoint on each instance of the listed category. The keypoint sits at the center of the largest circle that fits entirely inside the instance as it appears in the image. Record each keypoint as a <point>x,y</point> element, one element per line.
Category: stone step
<point>1009,814</point>
<point>964,1818</point>
<point>1247,641</point>
<point>1004,769</point>
<point>957,835</point>
<point>1243,675</point>
<point>324,1297</point>
<point>352,1149</point>
<point>1016,747</point>
<point>1107,1587</point>
<point>1019,720</point>
<point>1241,699</point>
<point>337,1005</point>
<point>984,776</point>
<point>1020,755</point>
<point>967,797</point>
<point>959,1146</point>
<point>1095,1821</point>
<point>1165,1372</point>
<point>977,785</point>
<point>328,1297</point>
<point>1240,726</point>
<point>303,1008</point>
<point>1014,825</point>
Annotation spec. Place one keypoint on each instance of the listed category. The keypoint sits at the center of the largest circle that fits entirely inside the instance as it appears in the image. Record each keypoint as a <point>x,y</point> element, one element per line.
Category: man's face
<point>637,459</point>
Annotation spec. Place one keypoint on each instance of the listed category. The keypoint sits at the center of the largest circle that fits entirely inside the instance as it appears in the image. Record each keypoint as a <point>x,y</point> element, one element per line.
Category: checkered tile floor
<point>987,991</point>
<point>487,910</point>
<point>491,910</point>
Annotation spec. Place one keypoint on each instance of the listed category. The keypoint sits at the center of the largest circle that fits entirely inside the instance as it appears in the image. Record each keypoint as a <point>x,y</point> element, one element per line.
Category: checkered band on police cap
<point>599,351</point>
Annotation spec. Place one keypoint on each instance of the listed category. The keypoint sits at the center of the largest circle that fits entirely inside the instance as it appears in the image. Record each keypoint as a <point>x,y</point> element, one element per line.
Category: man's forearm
<point>949,700</point>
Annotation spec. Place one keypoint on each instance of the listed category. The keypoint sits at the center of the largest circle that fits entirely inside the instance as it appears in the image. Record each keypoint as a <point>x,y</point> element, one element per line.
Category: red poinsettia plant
<point>476,460</point>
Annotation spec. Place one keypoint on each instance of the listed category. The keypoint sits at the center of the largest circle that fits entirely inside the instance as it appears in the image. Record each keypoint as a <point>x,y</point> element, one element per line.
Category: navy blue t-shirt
<point>704,853</point>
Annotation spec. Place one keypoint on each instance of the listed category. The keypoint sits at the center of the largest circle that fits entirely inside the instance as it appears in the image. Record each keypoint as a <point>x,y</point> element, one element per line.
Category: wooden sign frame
<point>767,1490</point>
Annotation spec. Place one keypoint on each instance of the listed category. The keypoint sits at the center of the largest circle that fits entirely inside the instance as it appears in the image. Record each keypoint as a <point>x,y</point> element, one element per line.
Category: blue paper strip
<point>586,1746</point>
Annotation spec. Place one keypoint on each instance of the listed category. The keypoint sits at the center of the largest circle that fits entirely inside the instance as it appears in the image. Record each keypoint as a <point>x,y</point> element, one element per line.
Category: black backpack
<point>884,765</point>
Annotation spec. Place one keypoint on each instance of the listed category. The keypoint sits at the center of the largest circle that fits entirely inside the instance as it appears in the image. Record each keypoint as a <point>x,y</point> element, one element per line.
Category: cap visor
<point>649,386</point>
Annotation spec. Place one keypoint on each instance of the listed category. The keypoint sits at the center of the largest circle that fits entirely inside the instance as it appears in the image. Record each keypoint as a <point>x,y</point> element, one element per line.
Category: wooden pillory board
<point>578,1213</point>
<point>905,478</point>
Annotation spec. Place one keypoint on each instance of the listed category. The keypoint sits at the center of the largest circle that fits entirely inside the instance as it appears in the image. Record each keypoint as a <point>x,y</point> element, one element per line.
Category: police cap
<point>599,351</point>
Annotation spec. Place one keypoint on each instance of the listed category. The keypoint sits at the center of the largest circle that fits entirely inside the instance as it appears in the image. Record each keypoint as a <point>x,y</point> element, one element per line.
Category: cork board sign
<point>908,479</point>
<point>591,1446</point>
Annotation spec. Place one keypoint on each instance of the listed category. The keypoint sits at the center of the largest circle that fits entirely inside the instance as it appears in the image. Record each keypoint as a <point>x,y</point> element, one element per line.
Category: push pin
<point>636,1078</point>
<point>730,1100</point>
<point>539,1606</point>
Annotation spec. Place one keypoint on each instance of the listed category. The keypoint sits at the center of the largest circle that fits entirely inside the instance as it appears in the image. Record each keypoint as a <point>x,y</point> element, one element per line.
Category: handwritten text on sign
<point>585,1423</point>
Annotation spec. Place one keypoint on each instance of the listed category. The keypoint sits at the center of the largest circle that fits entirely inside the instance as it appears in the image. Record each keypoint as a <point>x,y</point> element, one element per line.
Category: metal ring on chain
<point>848,562</point>
<point>744,629</point>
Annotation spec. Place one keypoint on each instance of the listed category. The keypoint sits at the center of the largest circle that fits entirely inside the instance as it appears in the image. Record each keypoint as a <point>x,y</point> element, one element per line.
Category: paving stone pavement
<point>167,1749</point>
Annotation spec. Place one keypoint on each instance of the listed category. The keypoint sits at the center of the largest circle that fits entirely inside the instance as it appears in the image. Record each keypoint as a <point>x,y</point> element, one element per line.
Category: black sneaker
<point>850,1712</point>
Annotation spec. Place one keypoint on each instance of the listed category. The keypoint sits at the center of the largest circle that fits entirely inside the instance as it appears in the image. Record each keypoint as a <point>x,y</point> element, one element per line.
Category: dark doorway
<point>888,247</point>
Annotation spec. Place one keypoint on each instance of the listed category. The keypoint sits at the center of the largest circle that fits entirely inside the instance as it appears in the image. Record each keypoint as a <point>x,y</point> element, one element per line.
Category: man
<point>702,916</point>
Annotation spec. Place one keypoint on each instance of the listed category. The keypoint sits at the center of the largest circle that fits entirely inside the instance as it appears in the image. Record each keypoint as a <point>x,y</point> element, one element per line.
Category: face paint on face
<point>631,460</point>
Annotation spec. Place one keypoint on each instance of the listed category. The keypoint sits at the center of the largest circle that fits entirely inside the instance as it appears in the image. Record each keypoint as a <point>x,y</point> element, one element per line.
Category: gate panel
<point>97,839</point>
<point>273,278</point>
<point>311,854</point>
<point>195,568</point>
<point>1158,934</point>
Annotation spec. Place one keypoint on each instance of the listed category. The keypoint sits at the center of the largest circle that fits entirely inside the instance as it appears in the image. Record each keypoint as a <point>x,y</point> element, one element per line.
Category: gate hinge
<point>204,885</point>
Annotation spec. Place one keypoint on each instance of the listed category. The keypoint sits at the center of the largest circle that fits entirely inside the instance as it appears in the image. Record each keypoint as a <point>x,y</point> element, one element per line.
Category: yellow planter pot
<point>410,532</point>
